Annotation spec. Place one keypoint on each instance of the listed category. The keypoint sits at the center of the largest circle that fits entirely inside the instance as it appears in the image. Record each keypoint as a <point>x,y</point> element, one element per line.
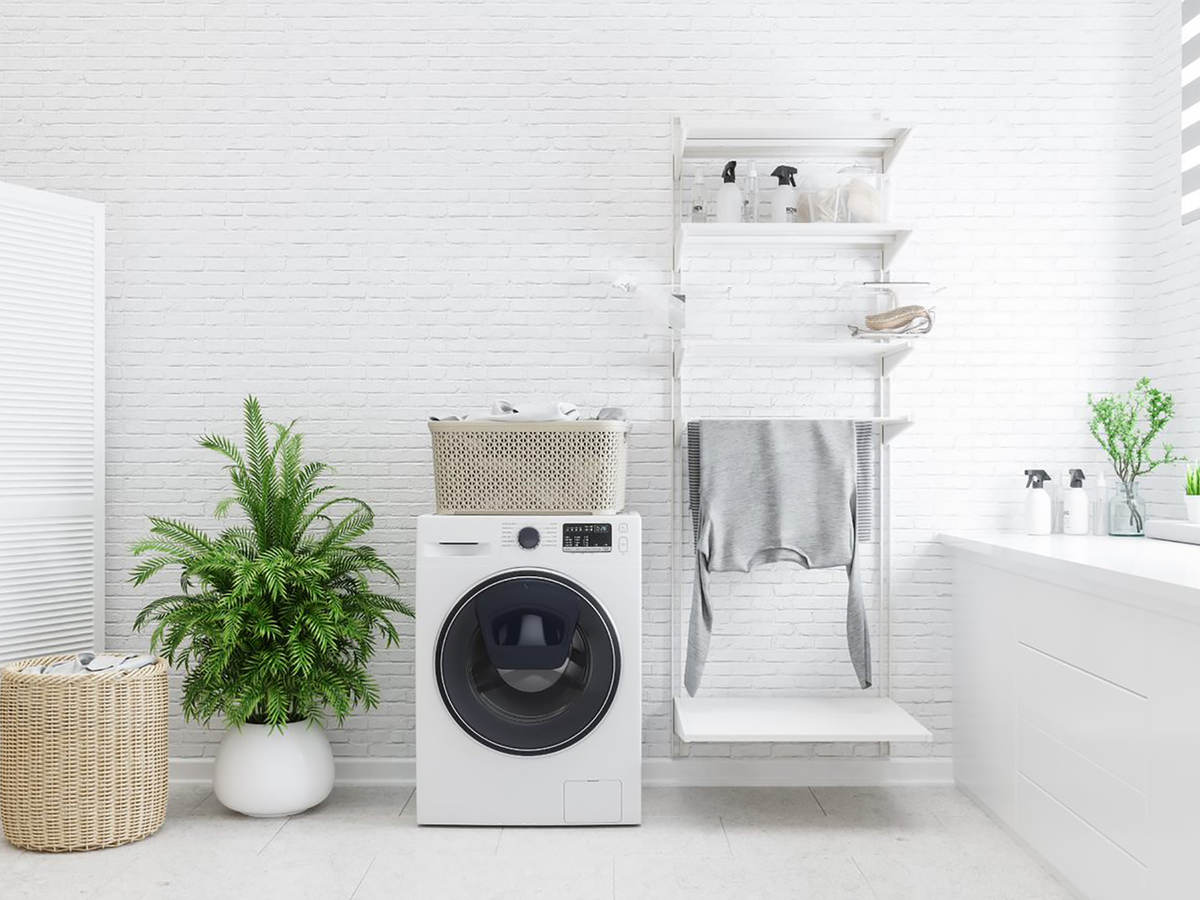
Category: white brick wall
<point>1171,320</point>
<point>363,212</point>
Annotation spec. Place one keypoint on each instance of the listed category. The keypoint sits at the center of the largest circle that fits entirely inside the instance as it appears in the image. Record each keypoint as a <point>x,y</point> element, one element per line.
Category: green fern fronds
<point>277,618</point>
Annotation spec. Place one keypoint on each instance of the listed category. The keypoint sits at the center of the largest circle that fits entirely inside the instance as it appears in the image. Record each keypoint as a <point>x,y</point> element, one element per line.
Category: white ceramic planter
<point>1193,509</point>
<point>261,772</point>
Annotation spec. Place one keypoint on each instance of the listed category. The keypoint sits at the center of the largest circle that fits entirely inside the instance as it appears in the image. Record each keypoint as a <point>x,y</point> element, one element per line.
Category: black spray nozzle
<point>786,175</point>
<point>727,172</point>
<point>1036,477</point>
<point>1077,478</point>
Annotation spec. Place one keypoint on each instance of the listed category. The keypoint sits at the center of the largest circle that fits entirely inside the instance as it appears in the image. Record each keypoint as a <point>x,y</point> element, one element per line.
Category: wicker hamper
<point>83,758</point>
<point>530,467</point>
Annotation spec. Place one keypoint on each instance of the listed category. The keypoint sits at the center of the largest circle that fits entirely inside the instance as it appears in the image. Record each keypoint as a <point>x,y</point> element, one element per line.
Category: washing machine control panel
<point>587,537</point>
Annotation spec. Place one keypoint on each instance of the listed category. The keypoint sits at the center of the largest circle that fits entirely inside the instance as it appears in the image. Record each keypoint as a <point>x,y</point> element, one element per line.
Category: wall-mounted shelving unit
<point>769,717</point>
<point>710,236</point>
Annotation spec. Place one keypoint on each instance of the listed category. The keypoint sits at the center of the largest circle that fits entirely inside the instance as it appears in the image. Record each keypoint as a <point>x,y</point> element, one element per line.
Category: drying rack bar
<point>889,426</point>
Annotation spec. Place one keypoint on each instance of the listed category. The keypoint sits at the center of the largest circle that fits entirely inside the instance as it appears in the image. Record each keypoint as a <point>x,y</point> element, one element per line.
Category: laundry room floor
<point>921,843</point>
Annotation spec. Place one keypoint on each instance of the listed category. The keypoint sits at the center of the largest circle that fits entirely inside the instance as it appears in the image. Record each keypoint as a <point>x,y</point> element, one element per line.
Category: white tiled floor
<point>695,843</point>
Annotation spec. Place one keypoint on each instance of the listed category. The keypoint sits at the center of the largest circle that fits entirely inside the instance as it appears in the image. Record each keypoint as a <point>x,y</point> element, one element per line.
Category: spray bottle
<point>1075,505</point>
<point>1038,517</point>
<point>729,197</point>
<point>783,201</point>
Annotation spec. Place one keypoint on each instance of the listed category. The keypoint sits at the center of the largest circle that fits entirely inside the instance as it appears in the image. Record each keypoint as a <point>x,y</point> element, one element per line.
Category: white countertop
<point>1159,575</point>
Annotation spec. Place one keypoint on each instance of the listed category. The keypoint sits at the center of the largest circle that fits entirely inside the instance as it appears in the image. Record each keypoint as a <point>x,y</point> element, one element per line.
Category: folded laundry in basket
<point>85,663</point>
<point>560,411</point>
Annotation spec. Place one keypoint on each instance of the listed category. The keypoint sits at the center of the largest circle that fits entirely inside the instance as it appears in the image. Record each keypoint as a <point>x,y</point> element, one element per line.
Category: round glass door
<point>527,662</point>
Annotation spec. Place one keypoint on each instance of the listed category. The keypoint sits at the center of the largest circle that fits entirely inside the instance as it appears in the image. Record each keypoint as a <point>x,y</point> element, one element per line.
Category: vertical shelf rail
<point>873,717</point>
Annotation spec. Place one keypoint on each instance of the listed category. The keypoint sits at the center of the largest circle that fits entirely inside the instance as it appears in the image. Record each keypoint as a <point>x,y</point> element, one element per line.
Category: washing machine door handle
<point>527,625</point>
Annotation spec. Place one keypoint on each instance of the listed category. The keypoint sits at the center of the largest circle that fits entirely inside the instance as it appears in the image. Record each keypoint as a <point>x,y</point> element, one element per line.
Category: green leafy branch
<point>1127,425</point>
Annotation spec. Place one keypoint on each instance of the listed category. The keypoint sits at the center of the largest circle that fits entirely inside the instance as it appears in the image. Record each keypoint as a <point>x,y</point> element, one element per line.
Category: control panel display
<point>587,537</point>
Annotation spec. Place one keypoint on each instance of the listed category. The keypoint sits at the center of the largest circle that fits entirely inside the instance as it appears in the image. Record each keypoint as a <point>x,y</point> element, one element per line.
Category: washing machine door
<point>527,662</point>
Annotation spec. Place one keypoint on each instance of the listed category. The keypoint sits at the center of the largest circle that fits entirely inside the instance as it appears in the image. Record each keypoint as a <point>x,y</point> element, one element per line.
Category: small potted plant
<point>1191,496</point>
<point>1126,426</point>
<point>275,619</point>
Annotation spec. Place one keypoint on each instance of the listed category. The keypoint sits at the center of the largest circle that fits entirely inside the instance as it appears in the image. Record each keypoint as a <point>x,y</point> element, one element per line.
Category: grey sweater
<point>772,490</point>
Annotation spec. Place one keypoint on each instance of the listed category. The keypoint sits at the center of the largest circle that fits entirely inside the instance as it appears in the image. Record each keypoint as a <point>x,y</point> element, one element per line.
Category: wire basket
<point>502,468</point>
<point>83,757</point>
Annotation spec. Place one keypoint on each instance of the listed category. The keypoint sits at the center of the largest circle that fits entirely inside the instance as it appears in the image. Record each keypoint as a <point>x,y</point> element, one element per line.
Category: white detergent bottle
<point>729,197</point>
<point>1076,505</point>
<point>1038,509</point>
<point>783,199</point>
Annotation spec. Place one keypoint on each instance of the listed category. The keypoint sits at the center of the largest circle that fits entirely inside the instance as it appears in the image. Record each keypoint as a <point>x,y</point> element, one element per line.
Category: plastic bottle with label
<point>1039,516</point>
<point>1076,505</point>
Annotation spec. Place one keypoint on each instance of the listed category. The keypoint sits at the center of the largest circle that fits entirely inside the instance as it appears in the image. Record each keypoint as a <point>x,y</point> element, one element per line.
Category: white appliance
<point>528,661</point>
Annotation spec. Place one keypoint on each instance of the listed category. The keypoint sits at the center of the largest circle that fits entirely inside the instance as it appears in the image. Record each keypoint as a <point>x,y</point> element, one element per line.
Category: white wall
<point>1171,324</point>
<point>364,212</point>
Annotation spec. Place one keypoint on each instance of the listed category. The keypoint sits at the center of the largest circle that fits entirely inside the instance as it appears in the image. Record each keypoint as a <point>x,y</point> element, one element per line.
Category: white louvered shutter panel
<point>1190,110</point>
<point>51,423</point>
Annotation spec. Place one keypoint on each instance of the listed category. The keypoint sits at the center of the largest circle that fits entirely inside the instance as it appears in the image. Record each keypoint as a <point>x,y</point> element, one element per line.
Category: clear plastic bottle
<point>751,199</point>
<point>1099,504</point>
<point>699,208</point>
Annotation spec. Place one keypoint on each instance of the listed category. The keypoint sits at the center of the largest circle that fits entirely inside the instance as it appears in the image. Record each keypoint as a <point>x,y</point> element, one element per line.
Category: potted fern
<point>275,620</point>
<point>1191,497</point>
<point>1126,427</point>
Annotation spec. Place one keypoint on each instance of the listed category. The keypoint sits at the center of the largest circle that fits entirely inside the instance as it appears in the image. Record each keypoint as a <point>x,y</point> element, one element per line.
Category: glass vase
<point>1127,511</point>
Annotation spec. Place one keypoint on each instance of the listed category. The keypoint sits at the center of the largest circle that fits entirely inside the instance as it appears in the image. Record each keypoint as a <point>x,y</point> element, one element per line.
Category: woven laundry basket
<point>83,758</point>
<point>530,467</point>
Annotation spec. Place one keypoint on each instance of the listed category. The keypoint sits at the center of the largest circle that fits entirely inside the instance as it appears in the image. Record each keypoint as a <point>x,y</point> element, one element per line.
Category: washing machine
<point>528,665</point>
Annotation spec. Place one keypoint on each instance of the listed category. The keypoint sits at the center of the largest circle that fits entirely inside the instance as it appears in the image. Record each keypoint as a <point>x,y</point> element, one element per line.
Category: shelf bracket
<point>892,250</point>
<point>889,431</point>
<point>889,155</point>
<point>896,354</point>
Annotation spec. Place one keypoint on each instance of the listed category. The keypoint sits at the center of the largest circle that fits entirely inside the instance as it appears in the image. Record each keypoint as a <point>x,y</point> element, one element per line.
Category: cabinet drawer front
<point>1099,636</point>
<point>1092,863</point>
<point>1100,721</point>
<point>1112,807</point>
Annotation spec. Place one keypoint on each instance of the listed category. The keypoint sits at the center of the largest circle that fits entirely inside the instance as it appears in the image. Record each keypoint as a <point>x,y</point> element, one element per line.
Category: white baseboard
<point>666,771</point>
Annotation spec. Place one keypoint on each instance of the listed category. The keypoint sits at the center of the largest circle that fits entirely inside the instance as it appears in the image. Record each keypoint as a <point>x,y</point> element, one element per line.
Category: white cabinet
<point>1077,704</point>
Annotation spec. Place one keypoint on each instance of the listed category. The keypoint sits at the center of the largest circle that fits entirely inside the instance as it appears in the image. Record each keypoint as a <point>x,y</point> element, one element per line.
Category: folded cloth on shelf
<point>560,411</point>
<point>902,320</point>
<point>773,490</point>
<point>84,663</point>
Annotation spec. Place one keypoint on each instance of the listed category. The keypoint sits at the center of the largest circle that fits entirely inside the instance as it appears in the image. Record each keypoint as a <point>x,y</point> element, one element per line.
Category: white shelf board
<point>886,237</point>
<point>849,350</point>
<point>791,141</point>
<point>794,719</point>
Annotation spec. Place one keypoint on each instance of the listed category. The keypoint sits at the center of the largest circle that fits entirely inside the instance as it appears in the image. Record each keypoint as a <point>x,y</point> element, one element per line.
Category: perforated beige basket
<point>503,468</point>
<point>83,758</point>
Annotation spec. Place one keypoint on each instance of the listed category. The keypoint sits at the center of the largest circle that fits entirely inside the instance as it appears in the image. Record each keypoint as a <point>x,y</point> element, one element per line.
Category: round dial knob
<point>528,537</point>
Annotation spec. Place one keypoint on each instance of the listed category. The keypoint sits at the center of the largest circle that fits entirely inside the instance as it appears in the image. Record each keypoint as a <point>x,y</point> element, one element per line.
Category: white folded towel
<point>561,411</point>
<point>504,411</point>
<point>85,663</point>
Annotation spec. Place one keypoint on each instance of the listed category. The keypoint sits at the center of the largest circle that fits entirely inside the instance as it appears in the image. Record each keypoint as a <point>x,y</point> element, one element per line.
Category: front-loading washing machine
<point>528,670</point>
